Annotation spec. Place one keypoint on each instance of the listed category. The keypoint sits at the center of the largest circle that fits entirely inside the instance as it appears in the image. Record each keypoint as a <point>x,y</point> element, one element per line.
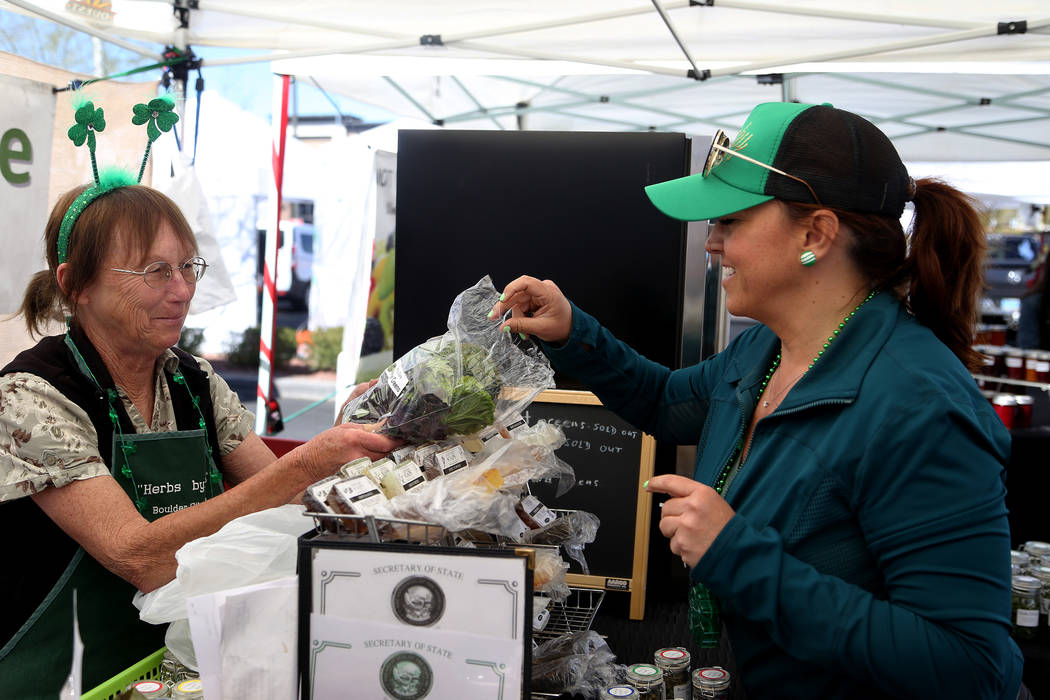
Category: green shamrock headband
<point>158,115</point>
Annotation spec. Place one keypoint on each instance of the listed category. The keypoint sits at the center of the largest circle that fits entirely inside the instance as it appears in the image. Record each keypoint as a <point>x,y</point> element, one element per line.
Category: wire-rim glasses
<point>721,150</point>
<point>158,274</point>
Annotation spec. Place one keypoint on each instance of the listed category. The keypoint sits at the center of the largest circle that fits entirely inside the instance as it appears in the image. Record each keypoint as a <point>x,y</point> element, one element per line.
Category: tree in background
<point>46,42</point>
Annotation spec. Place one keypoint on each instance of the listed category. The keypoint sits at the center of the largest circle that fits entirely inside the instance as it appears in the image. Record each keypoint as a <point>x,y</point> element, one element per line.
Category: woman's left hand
<point>692,518</point>
<point>357,391</point>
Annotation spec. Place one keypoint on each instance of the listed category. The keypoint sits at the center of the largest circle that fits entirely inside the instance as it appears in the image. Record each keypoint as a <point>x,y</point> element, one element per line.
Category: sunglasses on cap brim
<point>721,150</point>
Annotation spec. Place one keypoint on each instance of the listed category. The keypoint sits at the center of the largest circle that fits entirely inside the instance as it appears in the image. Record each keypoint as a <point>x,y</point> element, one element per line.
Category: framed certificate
<point>386,617</point>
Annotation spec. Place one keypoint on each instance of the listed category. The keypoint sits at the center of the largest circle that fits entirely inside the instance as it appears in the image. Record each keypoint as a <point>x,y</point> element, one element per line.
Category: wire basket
<point>575,614</point>
<point>372,529</point>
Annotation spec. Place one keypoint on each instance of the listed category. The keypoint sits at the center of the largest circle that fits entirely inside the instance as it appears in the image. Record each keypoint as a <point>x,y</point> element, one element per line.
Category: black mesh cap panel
<point>848,162</point>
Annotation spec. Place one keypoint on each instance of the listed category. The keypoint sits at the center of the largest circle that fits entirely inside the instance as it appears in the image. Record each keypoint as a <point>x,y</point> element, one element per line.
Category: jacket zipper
<point>751,442</point>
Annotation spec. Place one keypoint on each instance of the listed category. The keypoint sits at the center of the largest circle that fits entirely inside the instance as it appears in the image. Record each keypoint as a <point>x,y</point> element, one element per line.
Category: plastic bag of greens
<point>459,382</point>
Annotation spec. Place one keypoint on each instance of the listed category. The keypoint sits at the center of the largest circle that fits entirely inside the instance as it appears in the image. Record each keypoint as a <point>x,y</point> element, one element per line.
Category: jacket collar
<point>839,373</point>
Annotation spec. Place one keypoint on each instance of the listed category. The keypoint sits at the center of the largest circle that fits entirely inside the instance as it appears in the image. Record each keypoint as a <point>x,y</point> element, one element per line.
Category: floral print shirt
<point>47,440</point>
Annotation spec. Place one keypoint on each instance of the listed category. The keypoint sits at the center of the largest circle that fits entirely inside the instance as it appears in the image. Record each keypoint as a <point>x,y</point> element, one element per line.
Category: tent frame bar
<point>86,28</point>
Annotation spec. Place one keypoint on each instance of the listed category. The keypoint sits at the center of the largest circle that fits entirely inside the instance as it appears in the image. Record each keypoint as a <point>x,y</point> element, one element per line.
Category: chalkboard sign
<point>611,459</point>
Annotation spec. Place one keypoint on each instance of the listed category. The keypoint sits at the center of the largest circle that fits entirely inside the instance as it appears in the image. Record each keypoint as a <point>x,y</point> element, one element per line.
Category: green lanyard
<point>127,447</point>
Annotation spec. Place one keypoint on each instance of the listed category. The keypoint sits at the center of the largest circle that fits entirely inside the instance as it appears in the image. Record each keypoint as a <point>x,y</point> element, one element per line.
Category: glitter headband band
<point>158,115</point>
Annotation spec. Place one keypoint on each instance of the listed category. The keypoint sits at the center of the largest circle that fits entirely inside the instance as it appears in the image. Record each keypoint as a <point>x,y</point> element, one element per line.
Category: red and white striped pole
<point>268,327</point>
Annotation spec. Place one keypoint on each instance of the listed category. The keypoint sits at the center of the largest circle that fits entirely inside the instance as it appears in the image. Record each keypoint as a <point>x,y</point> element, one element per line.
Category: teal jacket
<point>869,555</point>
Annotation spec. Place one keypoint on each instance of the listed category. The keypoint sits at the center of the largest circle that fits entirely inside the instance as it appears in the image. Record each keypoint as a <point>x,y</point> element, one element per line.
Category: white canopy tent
<point>951,81</point>
<point>948,80</point>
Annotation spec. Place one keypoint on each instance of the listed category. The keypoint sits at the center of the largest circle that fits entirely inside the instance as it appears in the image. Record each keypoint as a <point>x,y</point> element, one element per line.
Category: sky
<point>248,85</point>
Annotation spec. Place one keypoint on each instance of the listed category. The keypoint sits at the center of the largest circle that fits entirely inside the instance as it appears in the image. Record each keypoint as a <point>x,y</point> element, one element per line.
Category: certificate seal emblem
<point>418,600</point>
<point>406,676</point>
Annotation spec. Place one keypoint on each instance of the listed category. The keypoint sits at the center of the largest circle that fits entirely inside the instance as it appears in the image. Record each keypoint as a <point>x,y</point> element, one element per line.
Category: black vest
<point>37,549</point>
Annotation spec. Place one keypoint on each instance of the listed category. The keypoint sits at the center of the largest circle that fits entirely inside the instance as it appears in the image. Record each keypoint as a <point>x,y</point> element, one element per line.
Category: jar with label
<point>1005,406</point>
<point>711,682</point>
<point>648,680</point>
<point>147,690</point>
<point>674,662</point>
<point>189,689</point>
<point>1015,364</point>
<point>1025,606</point>
<point>1019,562</point>
<point>1043,574</point>
<point>619,691</point>
<point>1038,552</point>
<point>1023,417</point>
<point>1042,368</point>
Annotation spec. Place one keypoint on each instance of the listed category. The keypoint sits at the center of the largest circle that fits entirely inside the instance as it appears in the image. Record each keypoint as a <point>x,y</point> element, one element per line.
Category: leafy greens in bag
<point>459,382</point>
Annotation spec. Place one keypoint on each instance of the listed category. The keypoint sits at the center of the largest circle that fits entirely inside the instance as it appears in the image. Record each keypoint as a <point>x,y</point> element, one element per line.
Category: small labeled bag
<point>457,383</point>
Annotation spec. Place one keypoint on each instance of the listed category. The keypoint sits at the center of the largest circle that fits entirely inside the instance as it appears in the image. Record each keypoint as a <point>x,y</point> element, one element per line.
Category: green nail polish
<point>506,329</point>
<point>502,297</point>
<point>492,314</point>
<point>646,484</point>
<point>523,336</point>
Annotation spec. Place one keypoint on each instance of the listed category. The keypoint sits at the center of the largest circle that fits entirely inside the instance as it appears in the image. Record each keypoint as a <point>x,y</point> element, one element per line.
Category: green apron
<point>162,473</point>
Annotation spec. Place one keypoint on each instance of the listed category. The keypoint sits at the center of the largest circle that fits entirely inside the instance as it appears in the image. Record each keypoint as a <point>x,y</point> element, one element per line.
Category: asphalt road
<point>294,393</point>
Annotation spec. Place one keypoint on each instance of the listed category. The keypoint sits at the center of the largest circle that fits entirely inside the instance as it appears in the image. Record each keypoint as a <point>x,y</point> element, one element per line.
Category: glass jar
<point>1019,561</point>
<point>1038,552</point>
<point>614,692</point>
<point>648,680</point>
<point>1015,364</point>
<point>189,689</point>
<point>1042,368</point>
<point>1024,606</point>
<point>1043,574</point>
<point>674,662</point>
<point>1023,417</point>
<point>1005,406</point>
<point>1031,362</point>
<point>711,682</point>
<point>147,690</point>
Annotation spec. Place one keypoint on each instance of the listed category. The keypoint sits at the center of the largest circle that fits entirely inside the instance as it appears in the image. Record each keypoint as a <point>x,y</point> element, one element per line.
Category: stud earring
<point>807,258</point>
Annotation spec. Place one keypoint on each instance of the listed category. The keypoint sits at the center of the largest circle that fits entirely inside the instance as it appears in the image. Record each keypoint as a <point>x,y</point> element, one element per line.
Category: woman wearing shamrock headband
<point>847,515</point>
<point>116,448</point>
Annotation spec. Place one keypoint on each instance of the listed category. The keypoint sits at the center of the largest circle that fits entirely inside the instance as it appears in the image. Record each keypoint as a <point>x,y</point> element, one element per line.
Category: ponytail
<point>945,266</point>
<point>938,275</point>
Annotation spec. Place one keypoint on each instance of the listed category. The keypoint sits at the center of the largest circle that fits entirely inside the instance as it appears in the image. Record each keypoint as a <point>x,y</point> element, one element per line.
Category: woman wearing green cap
<point>847,515</point>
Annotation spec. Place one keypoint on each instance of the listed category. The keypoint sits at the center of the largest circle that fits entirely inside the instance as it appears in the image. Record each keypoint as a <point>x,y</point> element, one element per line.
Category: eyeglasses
<point>157,274</point>
<point>721,150</point>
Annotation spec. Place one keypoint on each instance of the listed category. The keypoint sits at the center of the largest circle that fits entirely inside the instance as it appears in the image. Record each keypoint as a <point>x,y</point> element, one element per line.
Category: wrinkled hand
<point>325,453</point>
<point>692,518</point>
<point>539,309</point>
<point>357,391</point>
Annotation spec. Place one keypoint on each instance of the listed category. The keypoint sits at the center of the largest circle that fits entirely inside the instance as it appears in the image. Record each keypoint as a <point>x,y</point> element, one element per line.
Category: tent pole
<point>947,38</point>
<point>87,29</point>
<point>415,103</point>
<point>674,35</point>
<point>828,13</point>
<point>481,108</point>
<point>267,325</point>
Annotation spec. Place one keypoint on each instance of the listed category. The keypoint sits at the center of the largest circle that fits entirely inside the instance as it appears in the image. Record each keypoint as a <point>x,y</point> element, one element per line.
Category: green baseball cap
<point>806,153</point>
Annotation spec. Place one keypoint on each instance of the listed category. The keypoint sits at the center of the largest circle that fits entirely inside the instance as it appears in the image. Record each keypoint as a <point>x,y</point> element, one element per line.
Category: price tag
<point>451,460</point>
<point>396,378</point>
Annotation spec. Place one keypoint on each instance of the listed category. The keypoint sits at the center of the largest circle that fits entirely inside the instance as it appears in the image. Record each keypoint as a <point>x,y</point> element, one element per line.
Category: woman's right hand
<point>539,309</point>
<point>323,454</point>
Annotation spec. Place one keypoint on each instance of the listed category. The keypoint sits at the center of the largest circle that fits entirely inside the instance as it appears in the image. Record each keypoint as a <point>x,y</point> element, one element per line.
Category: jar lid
<point>1026,584</point>
<point>672,657</point>
<point>1004,400</point>
<point>1041,572</point>
<point>149,689</point>
<point>619,691</point>
<point>1023,400</point>
<point>644,672</point>
<point>711,678</point>
<point>1019,557</point>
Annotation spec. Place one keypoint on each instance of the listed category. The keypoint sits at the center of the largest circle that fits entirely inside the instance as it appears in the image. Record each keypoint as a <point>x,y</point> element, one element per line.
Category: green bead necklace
<point>720,483</point>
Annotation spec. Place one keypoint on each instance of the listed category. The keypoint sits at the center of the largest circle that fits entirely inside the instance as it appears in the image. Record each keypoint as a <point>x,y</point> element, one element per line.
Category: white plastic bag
<point>252,549</point>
